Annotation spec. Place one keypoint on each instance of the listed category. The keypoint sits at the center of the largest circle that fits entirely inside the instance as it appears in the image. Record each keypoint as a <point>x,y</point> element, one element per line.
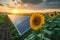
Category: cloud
<point>36,5</point>
<point>41,4</point>
<point>32,1</point>
<point>1,4</point>
<point>53,0</point>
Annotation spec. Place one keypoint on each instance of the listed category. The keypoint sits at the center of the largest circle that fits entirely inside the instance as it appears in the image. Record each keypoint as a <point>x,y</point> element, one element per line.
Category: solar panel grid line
<point>17,30</point>
<point>27,25</point>
<point>19,20</point>
<point>23,24</point>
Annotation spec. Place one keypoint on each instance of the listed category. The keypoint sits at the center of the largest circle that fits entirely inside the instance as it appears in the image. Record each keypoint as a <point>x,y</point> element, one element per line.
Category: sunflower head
<point>56,13</point>
<point>44,14</point>
<point>52,15</point>
<point>36,21</point>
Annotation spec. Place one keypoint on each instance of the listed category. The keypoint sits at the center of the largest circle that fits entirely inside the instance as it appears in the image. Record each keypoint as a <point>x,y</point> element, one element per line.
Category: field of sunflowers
<point>44,26</point>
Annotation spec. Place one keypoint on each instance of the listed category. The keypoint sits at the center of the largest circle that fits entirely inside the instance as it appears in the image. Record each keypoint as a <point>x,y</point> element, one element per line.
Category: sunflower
<point>36,21</point>
<point>52,15</point>
<point>44,14</point>
<point>56,13</point>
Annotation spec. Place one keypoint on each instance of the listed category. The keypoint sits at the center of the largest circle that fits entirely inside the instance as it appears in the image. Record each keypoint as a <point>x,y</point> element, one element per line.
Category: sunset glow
<point>15,11</point>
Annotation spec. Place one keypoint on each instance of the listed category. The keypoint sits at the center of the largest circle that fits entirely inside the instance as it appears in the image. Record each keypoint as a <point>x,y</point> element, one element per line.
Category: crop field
<point>50,30</point>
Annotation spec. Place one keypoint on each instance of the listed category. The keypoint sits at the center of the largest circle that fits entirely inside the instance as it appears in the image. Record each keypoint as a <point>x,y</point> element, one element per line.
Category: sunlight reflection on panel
<point>20,22</point>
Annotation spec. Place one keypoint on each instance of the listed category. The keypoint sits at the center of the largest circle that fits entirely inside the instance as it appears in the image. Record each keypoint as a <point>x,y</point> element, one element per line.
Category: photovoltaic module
<point>21,23</point>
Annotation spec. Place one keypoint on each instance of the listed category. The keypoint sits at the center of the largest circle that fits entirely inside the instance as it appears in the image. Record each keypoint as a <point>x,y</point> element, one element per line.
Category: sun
<point>15,11</point>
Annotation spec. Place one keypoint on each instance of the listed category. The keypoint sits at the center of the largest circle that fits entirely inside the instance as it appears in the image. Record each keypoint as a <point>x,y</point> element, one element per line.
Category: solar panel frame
<point>26,20</point>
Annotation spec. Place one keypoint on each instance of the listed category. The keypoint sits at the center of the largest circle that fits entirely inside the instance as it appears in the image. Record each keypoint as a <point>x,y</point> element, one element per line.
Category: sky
<point>38,4</point>
<point>32,4</point>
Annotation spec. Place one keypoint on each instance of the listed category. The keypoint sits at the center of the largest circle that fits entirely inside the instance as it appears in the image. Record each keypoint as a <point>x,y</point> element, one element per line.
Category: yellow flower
<point>56,13</point>
<point>36,21</point>
<point>44,14</point>
<point>52,15</point>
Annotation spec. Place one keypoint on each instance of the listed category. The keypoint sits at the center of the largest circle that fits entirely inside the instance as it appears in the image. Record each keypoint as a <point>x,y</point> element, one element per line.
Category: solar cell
<point>21,23</point>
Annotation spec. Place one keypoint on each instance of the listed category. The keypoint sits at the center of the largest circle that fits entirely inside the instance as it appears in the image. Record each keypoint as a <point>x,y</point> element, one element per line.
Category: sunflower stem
<point>41,33</point>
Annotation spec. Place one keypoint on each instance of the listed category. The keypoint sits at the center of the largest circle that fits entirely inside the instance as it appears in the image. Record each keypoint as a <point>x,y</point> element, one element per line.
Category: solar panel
<point>21,23</point>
